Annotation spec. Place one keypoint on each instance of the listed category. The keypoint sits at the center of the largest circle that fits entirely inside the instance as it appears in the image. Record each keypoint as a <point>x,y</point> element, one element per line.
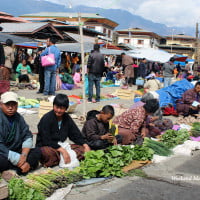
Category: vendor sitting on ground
<point>23,70</point>
<point>186,105</point>
<point>96,129</point>
<point>152,83</point>
<point>56,126</point>
<point>15,138</point>
<point>132,123</point>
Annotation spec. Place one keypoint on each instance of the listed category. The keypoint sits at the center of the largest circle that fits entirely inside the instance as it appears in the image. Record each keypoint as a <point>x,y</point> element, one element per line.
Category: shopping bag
<point>139,81</point>
<point>48,60</point>
<point>74,161</point>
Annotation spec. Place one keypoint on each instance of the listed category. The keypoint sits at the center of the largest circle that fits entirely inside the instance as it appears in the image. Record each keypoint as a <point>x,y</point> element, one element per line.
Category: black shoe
<point>39,92</point>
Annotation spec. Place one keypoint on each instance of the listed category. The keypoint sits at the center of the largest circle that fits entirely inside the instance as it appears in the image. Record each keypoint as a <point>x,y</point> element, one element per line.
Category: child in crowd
<point>77,77</point>
<point>96,129</point>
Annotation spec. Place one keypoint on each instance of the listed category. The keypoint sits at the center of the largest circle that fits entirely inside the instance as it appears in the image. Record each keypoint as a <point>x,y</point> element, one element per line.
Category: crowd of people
<point>143,119</point>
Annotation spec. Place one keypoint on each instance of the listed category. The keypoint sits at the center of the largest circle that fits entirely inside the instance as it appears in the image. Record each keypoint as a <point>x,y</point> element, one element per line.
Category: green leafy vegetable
<point>195,131</point>
<point>158,147</point>
<point>172,138</point>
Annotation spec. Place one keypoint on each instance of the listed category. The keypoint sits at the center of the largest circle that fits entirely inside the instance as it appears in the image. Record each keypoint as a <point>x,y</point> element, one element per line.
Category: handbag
<point>48,60</point>
<point>139,81</point>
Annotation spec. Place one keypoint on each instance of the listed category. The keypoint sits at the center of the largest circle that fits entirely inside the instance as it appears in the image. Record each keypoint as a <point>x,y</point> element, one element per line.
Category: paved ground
<point>177,178</point>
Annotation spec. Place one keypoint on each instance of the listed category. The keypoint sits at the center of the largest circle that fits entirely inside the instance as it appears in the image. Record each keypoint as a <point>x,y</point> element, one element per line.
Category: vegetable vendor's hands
<point>114,141</point>
<point>22,160</point>
<point>65,155</point>
<point>107,136</point>
<point>86,148</point>
<point>153,118</point>
<point>25,167</point>
<point>144,132</point>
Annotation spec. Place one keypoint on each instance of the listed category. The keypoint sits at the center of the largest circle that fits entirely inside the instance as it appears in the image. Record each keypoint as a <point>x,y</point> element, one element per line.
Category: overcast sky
<point>169,12</point>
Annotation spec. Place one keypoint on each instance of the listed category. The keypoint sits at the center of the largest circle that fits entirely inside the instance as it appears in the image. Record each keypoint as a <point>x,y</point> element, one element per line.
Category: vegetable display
<point>27,102</point>
<point>18,190</point>
<point>195,130</point>
<point>40,186</point>
<point>158,147</point>
<point>111,161</point>
<point>171,138</point>
<point>109,82</point>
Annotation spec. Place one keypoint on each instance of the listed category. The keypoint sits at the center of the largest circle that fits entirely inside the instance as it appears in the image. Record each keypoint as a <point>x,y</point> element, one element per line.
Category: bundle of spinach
<point>172,138</point>
<point>195,130</point>
<point>104,163</point>
<point>19,191</point>
<point>109,162</point>
<point>158,147</point>
<point>142,152</point>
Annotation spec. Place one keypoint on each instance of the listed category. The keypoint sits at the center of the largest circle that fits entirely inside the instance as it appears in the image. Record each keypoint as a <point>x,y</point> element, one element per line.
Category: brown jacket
<point>9,56</point>
<point>128,62</point>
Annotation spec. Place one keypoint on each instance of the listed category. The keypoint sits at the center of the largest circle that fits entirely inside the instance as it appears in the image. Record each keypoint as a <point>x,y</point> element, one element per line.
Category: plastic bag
<point>74,161</point>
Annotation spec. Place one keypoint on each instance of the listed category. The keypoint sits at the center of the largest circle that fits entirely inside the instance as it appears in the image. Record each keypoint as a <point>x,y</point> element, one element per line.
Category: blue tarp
<point>183,63</point>
<point>173,92</point>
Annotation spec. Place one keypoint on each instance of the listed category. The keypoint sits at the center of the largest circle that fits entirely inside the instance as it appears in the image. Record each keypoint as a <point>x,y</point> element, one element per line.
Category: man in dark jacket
<point>2,56</point>
<point>96,67</point>
<point>142,68</point>
<point>15,138</point>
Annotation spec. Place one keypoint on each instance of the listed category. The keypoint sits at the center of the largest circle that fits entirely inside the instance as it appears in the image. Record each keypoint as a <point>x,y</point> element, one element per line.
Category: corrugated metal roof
<point>63,14</point>
<point>15,39</point>
<point>78,38</point>
<point>21,27</point>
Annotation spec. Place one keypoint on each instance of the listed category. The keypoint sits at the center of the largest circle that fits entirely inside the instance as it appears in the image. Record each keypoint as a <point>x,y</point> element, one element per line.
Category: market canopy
<point>150,54</point>
<point>88,46</point>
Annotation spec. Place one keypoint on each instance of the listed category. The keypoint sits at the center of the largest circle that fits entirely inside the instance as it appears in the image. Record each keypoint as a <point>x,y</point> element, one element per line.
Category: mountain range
<point>124,18</point>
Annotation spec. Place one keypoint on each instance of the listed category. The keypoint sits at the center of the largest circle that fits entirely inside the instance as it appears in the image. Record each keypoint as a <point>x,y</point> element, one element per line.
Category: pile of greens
<point>40,186</point>
<point>109,82</point>
<point>195,130</point>
<point>172,138</point>
<point>18,190</point>
<point>111,161</point>
<point>159,148</point>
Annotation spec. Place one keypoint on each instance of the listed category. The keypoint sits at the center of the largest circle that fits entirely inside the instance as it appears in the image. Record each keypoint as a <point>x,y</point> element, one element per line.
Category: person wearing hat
<point>152,84</point>
<point>15,138</point>
<point>96,67</point>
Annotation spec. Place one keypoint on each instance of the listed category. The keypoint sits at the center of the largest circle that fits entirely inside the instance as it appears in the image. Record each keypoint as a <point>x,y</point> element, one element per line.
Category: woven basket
<point>46,106</point>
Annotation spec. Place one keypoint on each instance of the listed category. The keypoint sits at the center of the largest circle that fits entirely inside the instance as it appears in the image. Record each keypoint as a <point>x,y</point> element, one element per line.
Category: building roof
<point>14,38</point>
<point>29,28</point>
<point>5,14</point>
<point>138,31</point>
<point>135,30</point>
<point>175,47</point>
<point>77,37</point>
<point>63,14</point>
<point>21,27</point>
<point>71,16</point>
<point>181,36</point>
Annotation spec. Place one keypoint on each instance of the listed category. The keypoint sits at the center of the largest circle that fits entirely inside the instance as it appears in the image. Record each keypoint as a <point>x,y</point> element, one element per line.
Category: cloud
<point>169,12</point>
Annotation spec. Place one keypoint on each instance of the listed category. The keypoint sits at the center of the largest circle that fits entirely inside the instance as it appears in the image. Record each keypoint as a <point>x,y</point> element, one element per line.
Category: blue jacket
<point>52,49</point>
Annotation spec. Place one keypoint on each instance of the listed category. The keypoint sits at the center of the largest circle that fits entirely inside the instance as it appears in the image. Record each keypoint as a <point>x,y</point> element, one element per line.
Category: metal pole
<point>172,39</point>
<point>82,61</point>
